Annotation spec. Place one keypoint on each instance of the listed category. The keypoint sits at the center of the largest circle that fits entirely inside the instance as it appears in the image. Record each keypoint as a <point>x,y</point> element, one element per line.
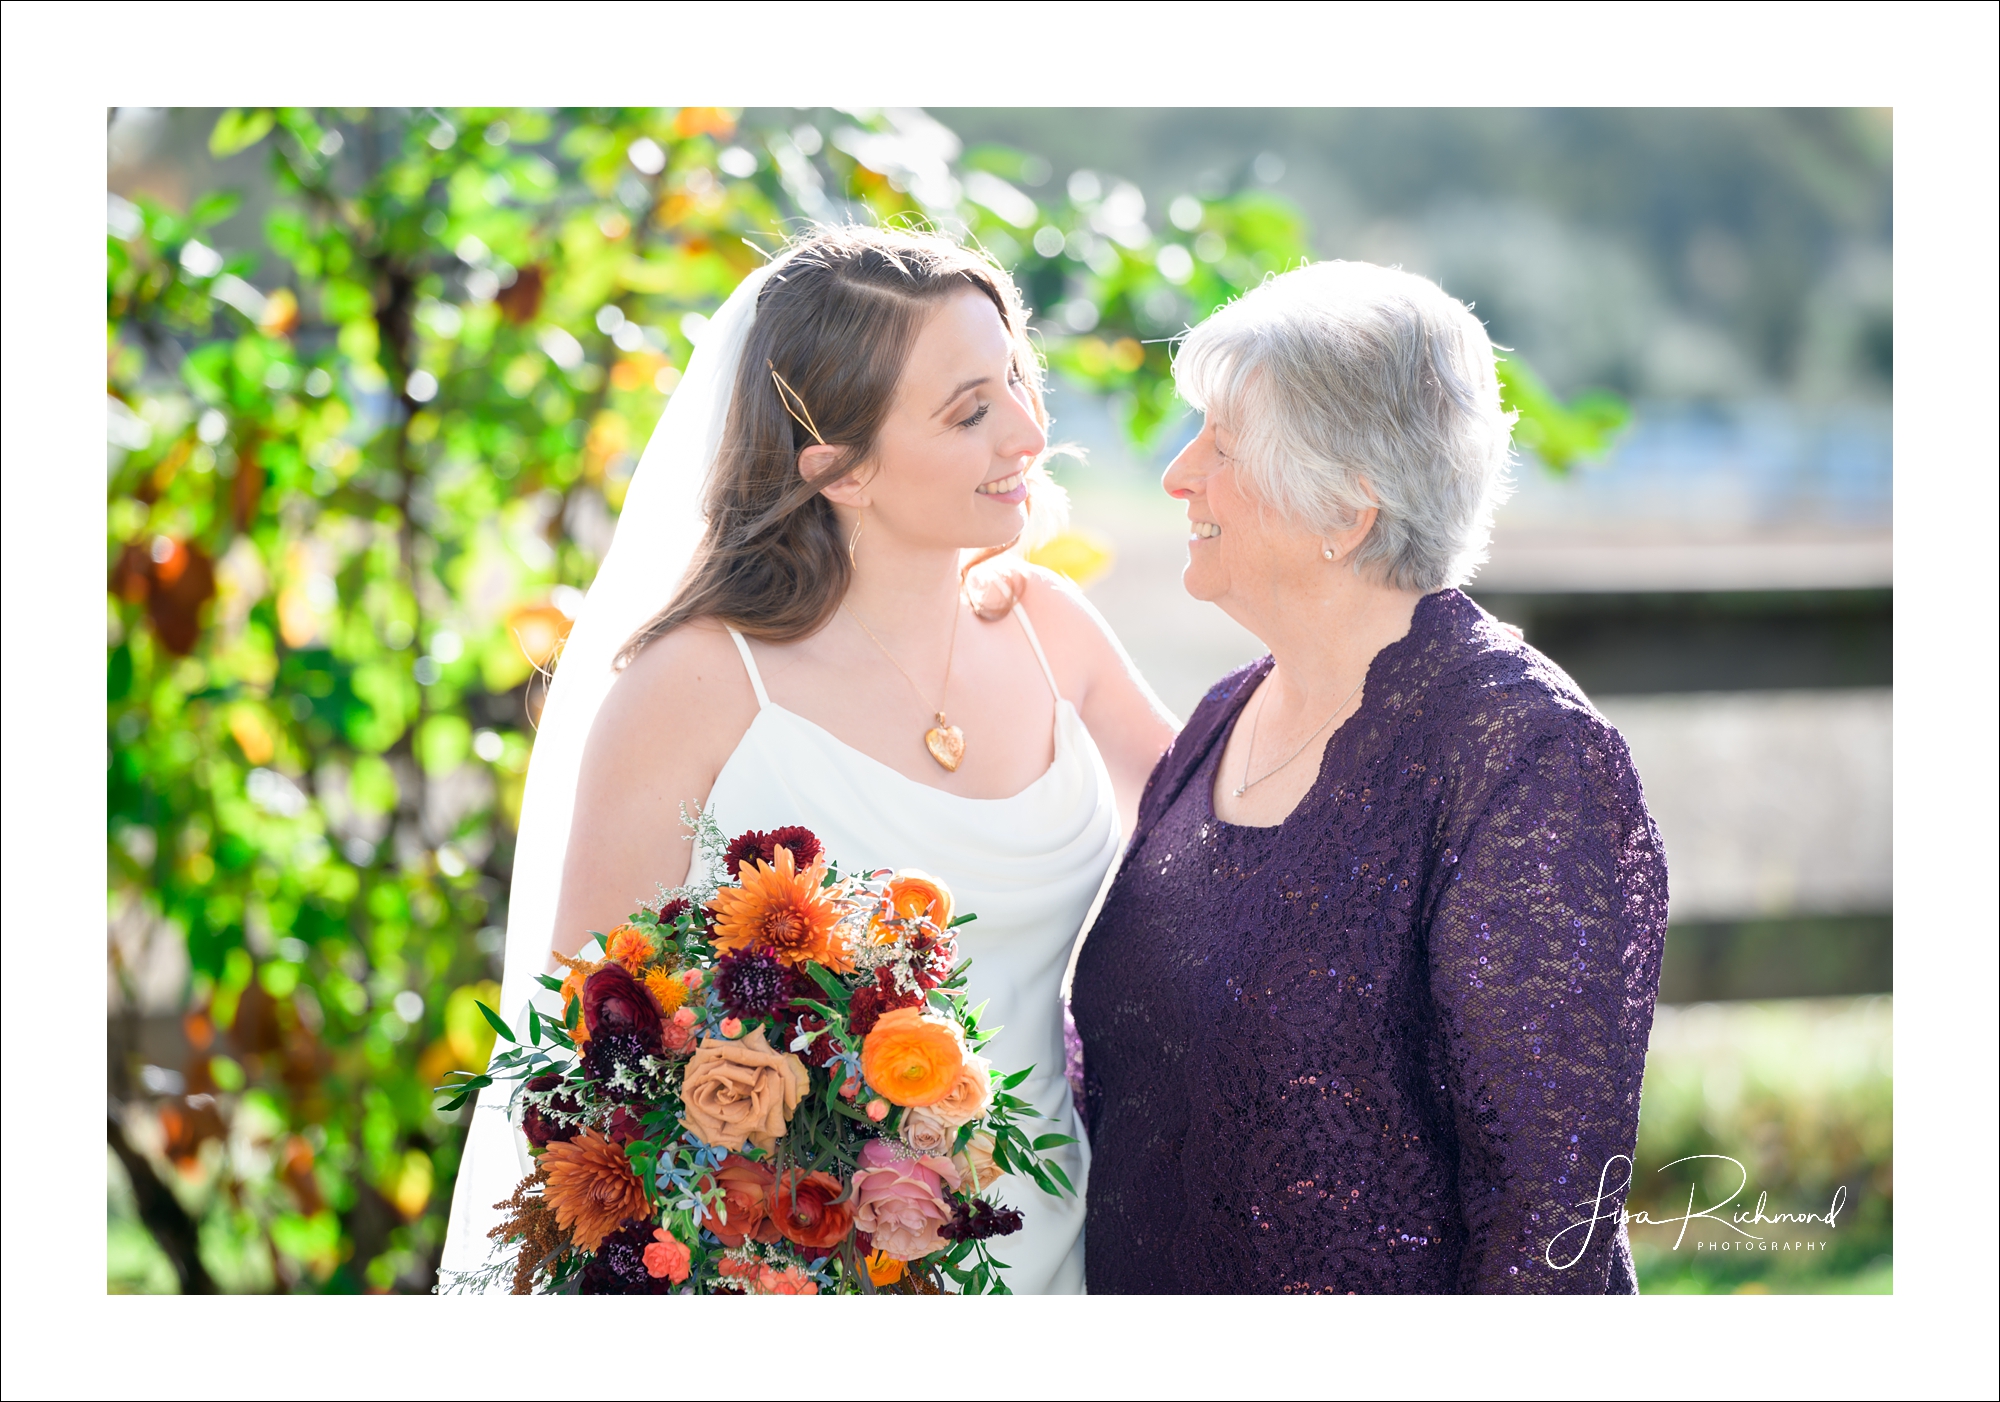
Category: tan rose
<point>978,1159</point>
<point>741,1091</point>
<point>969,1096</point>
<point>926,1133</point>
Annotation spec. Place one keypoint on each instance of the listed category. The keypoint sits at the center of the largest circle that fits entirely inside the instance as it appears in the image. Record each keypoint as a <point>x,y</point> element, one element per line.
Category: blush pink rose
<point>900,1202</point>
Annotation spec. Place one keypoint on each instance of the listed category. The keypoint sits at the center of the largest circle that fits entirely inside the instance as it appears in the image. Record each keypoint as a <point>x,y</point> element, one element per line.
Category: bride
<point>863,420</point>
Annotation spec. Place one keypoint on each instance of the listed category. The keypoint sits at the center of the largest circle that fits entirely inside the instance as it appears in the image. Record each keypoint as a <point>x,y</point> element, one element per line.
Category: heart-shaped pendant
<point>946,744</point>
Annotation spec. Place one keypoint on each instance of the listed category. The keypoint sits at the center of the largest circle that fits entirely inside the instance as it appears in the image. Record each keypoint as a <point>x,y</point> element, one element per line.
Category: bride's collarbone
<point>999,704</point>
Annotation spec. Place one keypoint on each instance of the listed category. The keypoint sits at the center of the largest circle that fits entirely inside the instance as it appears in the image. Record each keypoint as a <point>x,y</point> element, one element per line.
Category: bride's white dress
<point>1029,866</point>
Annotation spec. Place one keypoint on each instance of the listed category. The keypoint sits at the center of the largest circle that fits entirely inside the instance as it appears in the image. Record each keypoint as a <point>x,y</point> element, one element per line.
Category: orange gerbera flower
<point>914,895</point>
<point>782,909</point>
<point>910,1059</point>
<point>630,946</point>
<point>591,1187</point>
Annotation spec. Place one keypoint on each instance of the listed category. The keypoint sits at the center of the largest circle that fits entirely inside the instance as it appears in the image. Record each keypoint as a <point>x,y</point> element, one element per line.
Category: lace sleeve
<point>1544,956</point>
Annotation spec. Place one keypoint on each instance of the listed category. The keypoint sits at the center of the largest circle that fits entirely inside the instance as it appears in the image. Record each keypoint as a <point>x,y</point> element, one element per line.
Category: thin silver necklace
<point>1250,783</point>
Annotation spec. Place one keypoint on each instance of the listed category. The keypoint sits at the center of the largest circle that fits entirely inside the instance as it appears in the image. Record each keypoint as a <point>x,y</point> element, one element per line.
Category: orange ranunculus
<point>782,909</point>
<point>884,1270</point>
<point>744,1210</point>
<point>579,974</point>
<point>591,1187</point>
<point>910,1059</point>
<point>913,895</point>
<point>804,1208</point>
<point>630,946</point>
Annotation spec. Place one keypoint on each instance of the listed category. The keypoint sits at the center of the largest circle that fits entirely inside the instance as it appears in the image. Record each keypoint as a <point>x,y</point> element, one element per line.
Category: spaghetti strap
<point>1021,612</point>
<point>757,681</point>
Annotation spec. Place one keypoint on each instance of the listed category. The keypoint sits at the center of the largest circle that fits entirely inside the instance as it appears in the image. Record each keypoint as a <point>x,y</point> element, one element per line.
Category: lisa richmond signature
<point>1739,1221</point>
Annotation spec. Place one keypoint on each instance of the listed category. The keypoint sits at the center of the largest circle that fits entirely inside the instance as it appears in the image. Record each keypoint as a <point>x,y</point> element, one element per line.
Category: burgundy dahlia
<point>869,1003</point>
<point>671,912</point>
<point>763,847</point>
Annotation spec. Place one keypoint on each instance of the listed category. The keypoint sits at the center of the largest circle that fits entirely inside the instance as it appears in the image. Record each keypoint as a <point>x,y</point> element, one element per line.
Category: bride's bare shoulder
<point>688,688</point>
<point>1072,631</point>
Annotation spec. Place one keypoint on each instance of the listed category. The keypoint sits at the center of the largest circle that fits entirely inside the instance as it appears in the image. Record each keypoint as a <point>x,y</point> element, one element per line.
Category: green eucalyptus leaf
<point>497,1023</point>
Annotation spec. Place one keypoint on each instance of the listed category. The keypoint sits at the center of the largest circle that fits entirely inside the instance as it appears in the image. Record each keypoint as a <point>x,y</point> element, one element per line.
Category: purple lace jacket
<point>1391,1044</point>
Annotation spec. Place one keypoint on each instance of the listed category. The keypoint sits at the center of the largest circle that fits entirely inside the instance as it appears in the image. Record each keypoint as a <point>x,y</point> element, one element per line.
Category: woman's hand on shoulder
<point>1131,726</point>
<point>666,728</point>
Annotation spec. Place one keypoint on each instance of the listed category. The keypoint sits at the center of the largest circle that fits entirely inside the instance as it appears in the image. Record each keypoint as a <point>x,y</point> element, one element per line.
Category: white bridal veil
<point>656,537</point>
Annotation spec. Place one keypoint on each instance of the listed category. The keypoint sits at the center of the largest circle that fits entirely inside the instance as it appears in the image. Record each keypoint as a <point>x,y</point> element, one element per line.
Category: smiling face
<point>950,462</point>
<point>1241,556</point>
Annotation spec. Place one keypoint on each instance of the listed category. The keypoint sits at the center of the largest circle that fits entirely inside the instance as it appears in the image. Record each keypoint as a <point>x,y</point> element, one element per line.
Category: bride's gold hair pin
<point>790,398</point>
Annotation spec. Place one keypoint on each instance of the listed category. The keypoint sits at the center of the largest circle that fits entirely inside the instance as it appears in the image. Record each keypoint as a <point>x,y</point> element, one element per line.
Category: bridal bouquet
<point>771,1084</point>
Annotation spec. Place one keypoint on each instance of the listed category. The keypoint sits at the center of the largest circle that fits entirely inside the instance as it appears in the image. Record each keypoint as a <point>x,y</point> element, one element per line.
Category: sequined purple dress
<point>1390,1044</point>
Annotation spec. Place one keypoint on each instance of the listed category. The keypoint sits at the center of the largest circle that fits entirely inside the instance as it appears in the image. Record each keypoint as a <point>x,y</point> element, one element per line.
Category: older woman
<point>1367,1005</point>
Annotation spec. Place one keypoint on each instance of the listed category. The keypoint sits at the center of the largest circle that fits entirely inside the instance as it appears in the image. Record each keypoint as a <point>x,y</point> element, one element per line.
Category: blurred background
<point>377,380</point>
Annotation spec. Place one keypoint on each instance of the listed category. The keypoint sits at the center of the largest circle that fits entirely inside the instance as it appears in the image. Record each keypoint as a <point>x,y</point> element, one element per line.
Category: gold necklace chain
<point>1250,783</point>
<point>945,741</point>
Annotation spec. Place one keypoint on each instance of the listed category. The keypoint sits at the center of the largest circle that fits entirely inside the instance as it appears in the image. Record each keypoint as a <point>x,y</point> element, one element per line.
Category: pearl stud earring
<point>1328,552</point>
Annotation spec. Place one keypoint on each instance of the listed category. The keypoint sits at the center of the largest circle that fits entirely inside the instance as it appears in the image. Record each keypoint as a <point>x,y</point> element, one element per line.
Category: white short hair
<point>1346,385</point>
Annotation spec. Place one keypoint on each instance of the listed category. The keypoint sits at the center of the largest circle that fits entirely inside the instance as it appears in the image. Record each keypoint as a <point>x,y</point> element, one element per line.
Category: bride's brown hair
<point>836,323</point>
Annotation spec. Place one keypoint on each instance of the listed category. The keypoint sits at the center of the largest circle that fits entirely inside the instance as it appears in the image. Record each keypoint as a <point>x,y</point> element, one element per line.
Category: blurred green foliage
<point>357,479</point>
<point>1560,435</point>
<point>1800,1093</point>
